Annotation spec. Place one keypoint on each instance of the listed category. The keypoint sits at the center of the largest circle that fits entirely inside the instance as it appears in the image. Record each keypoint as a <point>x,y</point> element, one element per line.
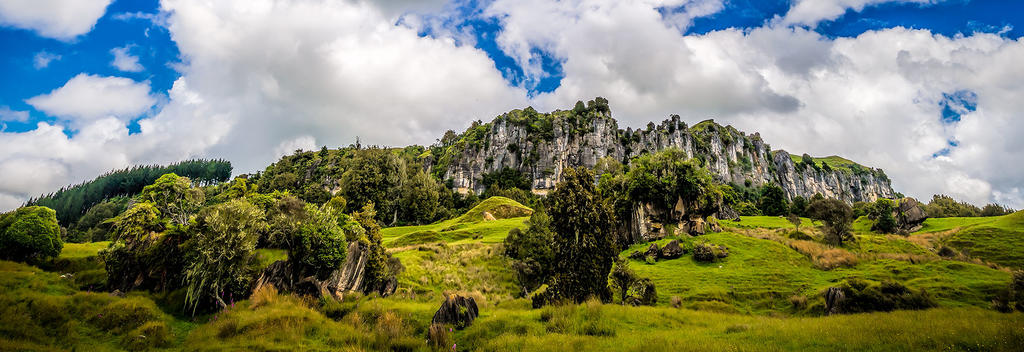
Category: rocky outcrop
<point>910,215</point>
<point>456,310</point>
<point>540,146</point>
<point>672,250</point>
<point>350,277</point>
<point>834,298</point>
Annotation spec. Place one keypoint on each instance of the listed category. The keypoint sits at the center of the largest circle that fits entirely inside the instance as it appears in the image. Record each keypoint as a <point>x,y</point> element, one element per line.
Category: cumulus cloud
<point>124,60</point>
<point>43,59</point>
<point>812,12</point>
<point>262,78</point>
<point>58,19</point>
<point>88,97</point>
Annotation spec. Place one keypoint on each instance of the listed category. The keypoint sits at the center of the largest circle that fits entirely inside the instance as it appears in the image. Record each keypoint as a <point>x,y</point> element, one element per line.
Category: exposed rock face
<point>834,298</point>
<point>653,251</point>
<point>350,277</point>
<point>730,155</point>
<point>910,215</point>
<point>456,310</point>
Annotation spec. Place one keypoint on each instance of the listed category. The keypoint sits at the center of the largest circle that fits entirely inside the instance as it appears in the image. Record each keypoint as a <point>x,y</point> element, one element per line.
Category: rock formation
<point>540,146</point>
<point>456,310</point>
<point>834,298</point>
<point>350,277</point>
<point>909,215</point>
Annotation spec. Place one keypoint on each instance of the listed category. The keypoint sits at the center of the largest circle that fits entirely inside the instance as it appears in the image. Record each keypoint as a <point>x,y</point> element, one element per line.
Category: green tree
<point>882,213</point>
<point>798,206</point>
<point>30,234</point>
<point>531,252</point>
<point>375,175</point>
<point>224,244</point>
<point>174,196</point>
<point>773,201</point>
<point>319,245</point>
<point>377,271</point>
<point>583,238</point>
<point>420,198</point>
<point>837,217</point>
<point>795,220</point>
<point>622,277</point>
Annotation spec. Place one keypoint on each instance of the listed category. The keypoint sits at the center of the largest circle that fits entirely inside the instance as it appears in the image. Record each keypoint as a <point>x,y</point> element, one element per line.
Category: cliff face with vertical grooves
<point>540,146</point>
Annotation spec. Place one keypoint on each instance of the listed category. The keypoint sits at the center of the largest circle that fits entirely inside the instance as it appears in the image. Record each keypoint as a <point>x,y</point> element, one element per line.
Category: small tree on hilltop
<point>583,242</point>
<point>837,216</point>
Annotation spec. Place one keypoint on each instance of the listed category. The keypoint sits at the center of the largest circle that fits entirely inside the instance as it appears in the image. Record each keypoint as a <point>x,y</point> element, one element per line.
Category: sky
<point>928,90</point>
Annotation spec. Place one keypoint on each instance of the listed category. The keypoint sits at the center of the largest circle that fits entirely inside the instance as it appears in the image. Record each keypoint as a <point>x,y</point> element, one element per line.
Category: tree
<point>377,269</point>
<point>622,277</point>
<point>795,220</point>
<point>531,252</point>
<point>29,234</point>
<point>376,176</point>
<point>995,210</point>
<point>837,216</point>
<point>174,196</point>
<point>798,206</point>
<point>583,242</point>
<point>224,244</point>
<point>882,211</point>
<point>420,198</point>
<point>319,245</point>
<point>773,201</point>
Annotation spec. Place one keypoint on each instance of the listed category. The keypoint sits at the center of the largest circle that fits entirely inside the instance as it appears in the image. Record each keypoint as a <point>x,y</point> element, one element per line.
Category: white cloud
<point>124,60</point>
<point>261,78</point>
<point>43,59</point>
<point>812,12</point>
<point>87,97</point>
<point>6,114</point>
<point>58,19</point>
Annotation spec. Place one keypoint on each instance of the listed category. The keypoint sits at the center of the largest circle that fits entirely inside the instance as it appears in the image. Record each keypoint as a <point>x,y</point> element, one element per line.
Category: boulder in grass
<point>458,311</point>
<point>672,250</point>
<point>653,251</point>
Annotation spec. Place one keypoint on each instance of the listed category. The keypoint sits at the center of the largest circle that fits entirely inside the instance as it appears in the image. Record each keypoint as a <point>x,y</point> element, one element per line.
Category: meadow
<point>765,296</point>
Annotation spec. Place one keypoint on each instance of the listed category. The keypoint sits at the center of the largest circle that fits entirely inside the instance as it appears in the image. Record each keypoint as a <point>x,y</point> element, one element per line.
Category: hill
<point>541,145</point>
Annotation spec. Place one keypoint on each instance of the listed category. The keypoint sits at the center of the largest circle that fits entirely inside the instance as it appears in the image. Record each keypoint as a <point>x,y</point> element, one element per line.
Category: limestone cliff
<point>542,145</point>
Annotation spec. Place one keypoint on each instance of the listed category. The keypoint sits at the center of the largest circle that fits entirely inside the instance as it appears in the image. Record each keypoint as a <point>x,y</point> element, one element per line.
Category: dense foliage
<point>73,201</point>
<point>531,252</point>
<point>29,234</point>
<point>942,206</point>
<point>583,239</point>
<point>837,216</point>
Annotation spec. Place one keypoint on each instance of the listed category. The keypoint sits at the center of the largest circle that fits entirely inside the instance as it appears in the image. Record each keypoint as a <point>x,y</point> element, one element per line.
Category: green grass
<point>759,276</point>
<point>83,250</point>
<point>998,239</point>
<point>467,228</point>
<point>946,224</point>
<point>612,327</point>
<point>835,162</point>
<point>267,256</point>
<point>766,222</point>
<point>498,207</point>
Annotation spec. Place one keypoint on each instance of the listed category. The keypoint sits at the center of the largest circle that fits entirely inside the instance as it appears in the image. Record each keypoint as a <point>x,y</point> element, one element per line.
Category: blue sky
<point>904,85</point>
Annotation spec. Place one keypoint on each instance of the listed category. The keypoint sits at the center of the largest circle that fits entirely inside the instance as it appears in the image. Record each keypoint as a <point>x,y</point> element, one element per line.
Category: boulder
<point>350,276</point>
<point>713,224</point>
<point>697,227</point>
<point>642,293</point>
<point>638,255</point>
<point>278,274</point>
<point>456,310</point>
<point>653,251</point>
<point>910,215</point>
<point>834,298</point>
<point>672,250</point>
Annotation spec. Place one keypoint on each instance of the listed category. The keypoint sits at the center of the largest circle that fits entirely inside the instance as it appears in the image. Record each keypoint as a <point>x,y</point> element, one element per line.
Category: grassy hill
<point>743,302</point>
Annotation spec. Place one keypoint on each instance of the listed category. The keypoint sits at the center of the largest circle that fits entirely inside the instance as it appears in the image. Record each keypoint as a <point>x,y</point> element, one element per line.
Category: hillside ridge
<point>541,145</point>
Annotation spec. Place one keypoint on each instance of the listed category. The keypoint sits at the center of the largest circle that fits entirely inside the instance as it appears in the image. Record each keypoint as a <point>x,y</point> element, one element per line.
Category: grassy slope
<point>467,228</point>
<point>1000,241</point>
<point>758,277</point>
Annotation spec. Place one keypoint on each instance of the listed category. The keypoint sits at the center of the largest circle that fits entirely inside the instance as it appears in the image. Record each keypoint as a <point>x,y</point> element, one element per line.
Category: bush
<point>642,292</point>
<point>706,252</point>
<point>861,296</point>
<point>798,301</point>
<point>676,301</point>
<point>30,234</point>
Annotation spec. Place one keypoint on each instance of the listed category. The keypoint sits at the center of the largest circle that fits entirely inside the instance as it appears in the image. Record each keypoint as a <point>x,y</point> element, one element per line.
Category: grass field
<point>742,302</point>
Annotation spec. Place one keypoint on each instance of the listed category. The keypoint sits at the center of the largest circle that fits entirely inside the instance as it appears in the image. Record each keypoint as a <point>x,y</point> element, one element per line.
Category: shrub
<point>440,337</point>
<point>30,234</point>
<point>861,296</point>
<point>706,252</point>
<point>148,336</point>
<point>798,301</point>
<point>837,216</point>
<point>676,301</point>
<point>642,292</point>
<point>1017,289</point>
